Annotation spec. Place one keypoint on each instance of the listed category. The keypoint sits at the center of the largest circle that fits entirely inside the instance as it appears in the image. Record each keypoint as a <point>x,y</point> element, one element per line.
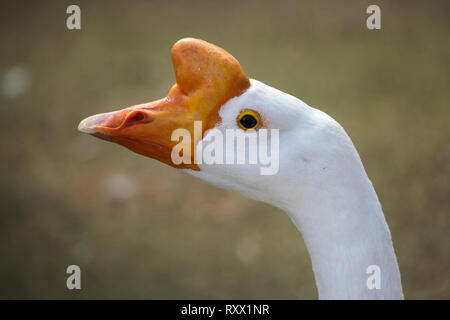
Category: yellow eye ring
<point>248,119</point>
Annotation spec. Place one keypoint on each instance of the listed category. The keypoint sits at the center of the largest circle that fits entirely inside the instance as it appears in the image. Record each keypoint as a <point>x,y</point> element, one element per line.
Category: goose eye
<point>248,119</point>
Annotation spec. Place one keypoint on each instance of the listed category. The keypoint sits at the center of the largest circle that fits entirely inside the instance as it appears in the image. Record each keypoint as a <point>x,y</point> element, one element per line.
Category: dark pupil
<point>248,121</point>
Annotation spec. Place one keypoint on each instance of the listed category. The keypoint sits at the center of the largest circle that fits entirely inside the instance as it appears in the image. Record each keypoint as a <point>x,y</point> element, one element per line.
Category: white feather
<point>322,186</point>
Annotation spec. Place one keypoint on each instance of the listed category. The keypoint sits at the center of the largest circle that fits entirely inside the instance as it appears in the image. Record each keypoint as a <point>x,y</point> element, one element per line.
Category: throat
<point>349,241</point>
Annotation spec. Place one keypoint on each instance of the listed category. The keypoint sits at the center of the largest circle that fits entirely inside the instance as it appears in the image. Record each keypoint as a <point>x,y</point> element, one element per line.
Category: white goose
<point>321,183</point>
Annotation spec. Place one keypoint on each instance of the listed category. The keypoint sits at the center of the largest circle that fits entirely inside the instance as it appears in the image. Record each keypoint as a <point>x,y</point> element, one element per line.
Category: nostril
<point>136,117</point>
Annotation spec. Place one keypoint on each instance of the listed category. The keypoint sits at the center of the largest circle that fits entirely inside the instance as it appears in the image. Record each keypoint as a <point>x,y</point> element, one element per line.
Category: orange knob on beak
<point>207,76</point>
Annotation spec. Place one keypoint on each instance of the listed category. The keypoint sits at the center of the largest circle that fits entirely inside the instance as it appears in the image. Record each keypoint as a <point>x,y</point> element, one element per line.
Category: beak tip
<point>82,127</point>
<point>95,123</point>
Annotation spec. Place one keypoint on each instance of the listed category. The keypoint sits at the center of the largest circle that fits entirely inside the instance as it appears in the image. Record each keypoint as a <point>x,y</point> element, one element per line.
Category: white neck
<point>345,232</point>
<point>323,187</point>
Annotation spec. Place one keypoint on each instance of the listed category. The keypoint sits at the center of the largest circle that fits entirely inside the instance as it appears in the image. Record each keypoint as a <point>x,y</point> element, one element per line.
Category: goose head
<point>303,162</point>
<point>212,88</point>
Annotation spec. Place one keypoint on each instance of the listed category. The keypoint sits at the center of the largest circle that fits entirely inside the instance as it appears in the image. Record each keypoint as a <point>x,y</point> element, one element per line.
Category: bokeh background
<point>139,229</point>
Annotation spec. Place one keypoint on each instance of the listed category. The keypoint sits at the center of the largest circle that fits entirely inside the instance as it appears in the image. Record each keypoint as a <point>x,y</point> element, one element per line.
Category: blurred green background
<point>140,229</point>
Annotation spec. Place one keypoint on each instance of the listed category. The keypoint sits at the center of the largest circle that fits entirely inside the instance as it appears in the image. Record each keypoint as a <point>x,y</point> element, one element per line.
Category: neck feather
<point>345,232</point>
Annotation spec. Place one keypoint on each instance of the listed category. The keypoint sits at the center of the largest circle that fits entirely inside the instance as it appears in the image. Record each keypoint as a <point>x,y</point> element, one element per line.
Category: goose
<point>320,183</point>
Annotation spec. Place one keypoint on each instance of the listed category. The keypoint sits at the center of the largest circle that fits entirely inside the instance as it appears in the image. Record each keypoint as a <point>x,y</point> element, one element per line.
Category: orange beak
<point>207,76</point>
